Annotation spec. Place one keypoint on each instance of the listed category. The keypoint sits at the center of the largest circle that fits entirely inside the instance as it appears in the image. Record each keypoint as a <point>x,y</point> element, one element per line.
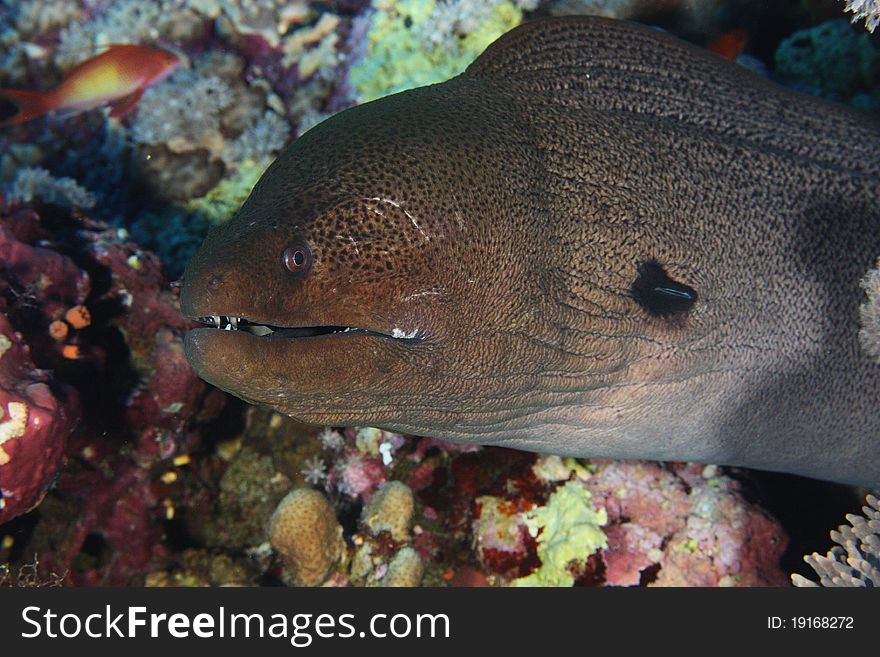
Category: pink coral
<point>35,421</point>
<point>683,526</point>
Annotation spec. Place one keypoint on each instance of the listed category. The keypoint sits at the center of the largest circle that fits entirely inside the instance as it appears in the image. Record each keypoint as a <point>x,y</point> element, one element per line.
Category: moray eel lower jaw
<point>325,365</point>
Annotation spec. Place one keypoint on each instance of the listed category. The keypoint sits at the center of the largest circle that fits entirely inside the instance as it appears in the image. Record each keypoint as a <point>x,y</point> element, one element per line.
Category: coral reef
<point>138,480</point>
<point>625,524</point>
<point>855,560</point>
<point>141,406</point>
<point>417,42</point>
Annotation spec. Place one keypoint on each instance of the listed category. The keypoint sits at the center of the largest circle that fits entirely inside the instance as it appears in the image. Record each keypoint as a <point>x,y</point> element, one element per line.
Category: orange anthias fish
<point>730,45</point>
<point>117,76</point>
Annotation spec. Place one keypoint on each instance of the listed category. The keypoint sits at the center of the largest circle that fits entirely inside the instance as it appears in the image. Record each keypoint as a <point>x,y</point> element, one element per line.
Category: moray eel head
<point>342,291</point>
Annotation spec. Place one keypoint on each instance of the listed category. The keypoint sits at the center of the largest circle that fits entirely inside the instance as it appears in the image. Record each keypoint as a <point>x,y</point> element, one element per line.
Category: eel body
<point>596,241</point>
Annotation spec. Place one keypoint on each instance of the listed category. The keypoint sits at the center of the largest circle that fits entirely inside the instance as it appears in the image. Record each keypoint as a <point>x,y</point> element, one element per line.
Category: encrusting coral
<point>304,530</point>
<point>567,529</point>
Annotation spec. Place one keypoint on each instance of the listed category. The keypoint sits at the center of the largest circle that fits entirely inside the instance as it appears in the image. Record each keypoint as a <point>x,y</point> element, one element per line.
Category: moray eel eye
<point>297,258</point>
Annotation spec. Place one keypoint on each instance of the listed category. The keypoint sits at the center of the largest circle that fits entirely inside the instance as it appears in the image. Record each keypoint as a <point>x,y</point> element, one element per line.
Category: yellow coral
<point>304,530</point>
<point>411,44</point>
<point>570,531</point>
<point>390,509</point>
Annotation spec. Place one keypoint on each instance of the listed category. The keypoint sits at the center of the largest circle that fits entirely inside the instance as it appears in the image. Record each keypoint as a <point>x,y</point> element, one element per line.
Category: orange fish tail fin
<point>26,105</point>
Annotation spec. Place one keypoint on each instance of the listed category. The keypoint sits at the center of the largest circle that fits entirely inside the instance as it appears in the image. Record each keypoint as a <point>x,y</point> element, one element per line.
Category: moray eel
<point>596,241</point>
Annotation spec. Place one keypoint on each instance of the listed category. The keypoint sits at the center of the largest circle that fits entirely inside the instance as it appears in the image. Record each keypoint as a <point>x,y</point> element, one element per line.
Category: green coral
<point>833,61</point>
<point>570,530</point>
<point>227,196</point>
<point>412,43</point>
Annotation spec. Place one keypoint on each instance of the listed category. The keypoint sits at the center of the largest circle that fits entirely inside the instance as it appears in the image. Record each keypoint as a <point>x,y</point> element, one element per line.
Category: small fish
<point>118,77</point>
<point>730,45</point>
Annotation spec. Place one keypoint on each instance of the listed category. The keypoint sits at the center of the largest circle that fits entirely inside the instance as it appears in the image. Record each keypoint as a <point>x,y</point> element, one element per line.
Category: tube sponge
<point>304,530</point>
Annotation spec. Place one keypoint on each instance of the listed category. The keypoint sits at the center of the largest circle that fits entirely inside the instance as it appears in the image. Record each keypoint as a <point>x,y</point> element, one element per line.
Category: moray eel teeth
<point>232,323</point>
<point>261,330</point>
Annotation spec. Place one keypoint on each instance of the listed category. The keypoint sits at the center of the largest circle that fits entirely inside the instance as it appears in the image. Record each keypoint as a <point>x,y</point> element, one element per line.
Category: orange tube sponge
<point>78,317</point>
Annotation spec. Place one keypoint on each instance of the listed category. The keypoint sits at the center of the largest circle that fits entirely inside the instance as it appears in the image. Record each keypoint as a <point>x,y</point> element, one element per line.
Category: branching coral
<point>855,560</point>
<point>34,182</point>
<point>259,141</point>
<point>184,112</point>
<point>128,21</point>
<point>865,9</point>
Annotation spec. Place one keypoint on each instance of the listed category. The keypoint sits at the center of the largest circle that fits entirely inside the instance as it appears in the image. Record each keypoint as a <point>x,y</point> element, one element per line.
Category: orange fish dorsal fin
<point>730,45</point>
<point>28,105</point>
<point>96,54</point>
<point>126,103</point>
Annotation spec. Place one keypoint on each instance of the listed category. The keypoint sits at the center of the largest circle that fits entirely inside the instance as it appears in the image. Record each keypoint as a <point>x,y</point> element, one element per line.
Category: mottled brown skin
<point>501,218</point>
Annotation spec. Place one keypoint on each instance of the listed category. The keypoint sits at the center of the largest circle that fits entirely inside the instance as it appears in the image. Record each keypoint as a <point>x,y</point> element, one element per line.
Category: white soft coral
<point>867,9</point>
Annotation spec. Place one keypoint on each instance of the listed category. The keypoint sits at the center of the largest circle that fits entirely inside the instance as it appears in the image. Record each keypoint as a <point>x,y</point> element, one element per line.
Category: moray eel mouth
<point>263,330</point>
<point>297,369</point>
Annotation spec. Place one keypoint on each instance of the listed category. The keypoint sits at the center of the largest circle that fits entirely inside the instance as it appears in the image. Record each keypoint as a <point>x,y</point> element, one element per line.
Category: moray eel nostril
<point>597,241</point>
